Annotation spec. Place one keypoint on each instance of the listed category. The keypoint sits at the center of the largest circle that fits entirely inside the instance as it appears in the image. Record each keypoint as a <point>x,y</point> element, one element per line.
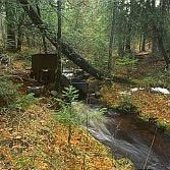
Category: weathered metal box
<point>43,67</point>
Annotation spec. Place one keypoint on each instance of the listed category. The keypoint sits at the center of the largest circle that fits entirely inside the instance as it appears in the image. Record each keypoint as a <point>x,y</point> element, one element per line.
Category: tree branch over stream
<point>66,49</point>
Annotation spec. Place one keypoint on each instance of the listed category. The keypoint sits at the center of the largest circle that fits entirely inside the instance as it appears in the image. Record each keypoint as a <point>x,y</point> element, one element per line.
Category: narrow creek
<point>128,136</point>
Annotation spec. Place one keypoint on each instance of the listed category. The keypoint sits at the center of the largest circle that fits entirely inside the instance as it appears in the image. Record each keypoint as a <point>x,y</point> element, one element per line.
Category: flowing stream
<point>128,136</point>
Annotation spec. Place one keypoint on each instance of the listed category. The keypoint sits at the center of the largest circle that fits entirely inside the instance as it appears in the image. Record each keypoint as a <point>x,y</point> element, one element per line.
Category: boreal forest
<point>84,84</point>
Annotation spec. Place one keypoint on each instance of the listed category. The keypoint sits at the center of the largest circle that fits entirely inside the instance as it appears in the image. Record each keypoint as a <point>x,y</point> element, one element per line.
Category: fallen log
<point>68,51</point>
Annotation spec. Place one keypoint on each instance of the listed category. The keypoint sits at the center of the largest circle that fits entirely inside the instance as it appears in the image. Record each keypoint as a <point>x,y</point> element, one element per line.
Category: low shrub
<point>11,98</point>
<point>126,108</point>
<point>126,64</point>
<point>72,114</point>
<point>126,105</point>
<point>8,92</point>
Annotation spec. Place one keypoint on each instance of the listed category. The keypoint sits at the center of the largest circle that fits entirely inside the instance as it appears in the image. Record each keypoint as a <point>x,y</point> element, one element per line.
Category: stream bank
<point>147,146</point>
<point>128,136</point>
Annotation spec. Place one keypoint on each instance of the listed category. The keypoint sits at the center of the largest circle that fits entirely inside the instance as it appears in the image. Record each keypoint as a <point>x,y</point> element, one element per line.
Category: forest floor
<point>32,138</point>
<point>152,106</point>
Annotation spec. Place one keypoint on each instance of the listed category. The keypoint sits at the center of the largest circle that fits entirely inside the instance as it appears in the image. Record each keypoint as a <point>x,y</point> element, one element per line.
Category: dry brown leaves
<point>33,139</point>
<point>150,104</point>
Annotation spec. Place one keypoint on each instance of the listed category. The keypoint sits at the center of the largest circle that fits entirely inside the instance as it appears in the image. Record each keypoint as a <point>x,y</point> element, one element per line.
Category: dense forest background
<point>100,30</point>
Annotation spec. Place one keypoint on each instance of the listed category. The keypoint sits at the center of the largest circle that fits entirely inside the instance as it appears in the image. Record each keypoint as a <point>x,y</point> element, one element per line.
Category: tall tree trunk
<point>143,42</point>
<point>58,71</point>
<point>28,40</point>
<point>121,50</point>
<point>129,28</point>
<point>3,31</point>
<point>140,43</point>
<point>43,36</point>
<point>162,47</point>
<point>44,44</point>
<point>19,39</point>
<point>154,31</point>
<point>128,39</point>
<point>11,41</point>
<point>154,42</point>
<point>19,31</point>
<point>161,32</point>
<point>110,59</point>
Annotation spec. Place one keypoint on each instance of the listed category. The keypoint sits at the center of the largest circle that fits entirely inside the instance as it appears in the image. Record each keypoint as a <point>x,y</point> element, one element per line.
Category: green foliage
<point>126,105</point>
<point>26,57</point>
<point>11,98</point>
<point>67,114</point>
<point>126,64</point>
<point>8,92</point>
<point>126,108</point>
<point>164,79</point>
<point>149,81</point>
<point>127,61</point>
<point>75,113</point>
<point>71,94</point>
<point>125,163</point>
<point>24,101</point>
<point>86,113</point>
<point>158,78</point>
<point>72,113</point>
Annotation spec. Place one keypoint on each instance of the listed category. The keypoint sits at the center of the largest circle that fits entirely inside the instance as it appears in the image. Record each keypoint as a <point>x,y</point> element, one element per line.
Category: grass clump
<point>126,65</point>
<point>160,78</point>
<point>8,92</point>
<point>10,96</point>
<point>126,105</point>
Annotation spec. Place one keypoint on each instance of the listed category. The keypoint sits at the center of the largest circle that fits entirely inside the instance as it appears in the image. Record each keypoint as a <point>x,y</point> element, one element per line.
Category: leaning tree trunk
<point>68,51</point>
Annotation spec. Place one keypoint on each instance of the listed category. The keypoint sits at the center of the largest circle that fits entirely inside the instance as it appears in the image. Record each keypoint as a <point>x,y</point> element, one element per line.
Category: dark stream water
<point>128,136</point>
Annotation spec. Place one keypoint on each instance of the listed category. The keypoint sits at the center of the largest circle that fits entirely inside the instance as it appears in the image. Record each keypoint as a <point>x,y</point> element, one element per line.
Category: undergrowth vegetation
<point>10,96</point>
<point>159,79</point>
<point>69,113</point>
<point>8,92</point>
<point>118,100</point>
<point>39,141</point>
<point>34,133</point>
<point>126,65</point>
